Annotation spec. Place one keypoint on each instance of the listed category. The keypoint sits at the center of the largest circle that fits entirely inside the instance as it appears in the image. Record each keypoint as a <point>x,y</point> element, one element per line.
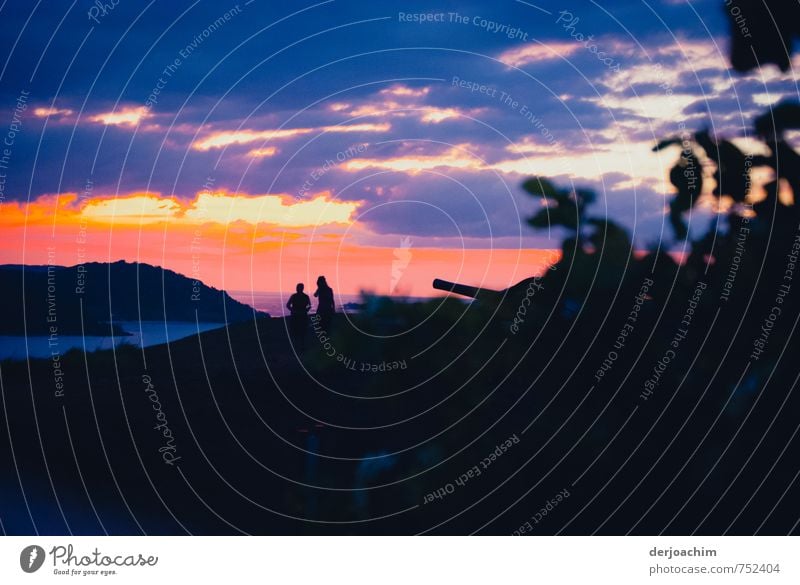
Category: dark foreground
<point>457,420</point>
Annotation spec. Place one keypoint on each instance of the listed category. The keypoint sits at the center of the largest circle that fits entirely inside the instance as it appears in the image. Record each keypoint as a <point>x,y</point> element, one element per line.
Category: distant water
<point>149,333</point>
<point>274,303</point>
<point>145,333</point>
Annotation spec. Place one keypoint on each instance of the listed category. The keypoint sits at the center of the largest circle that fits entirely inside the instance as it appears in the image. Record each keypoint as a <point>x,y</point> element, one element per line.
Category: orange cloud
<point>405,91</point>
<point>222,250</point>
<point>265,152</point>
<point>271,209</point>
<point>224,138</point>
<point>402,101</point>
<point>455,158</point>
<point>435,115</point>
<point>122,117</point>
<point>536,53</point>
<point>50,112</point>
<point>426,114</point>
<point>139,209</point>
<point>219,207</point>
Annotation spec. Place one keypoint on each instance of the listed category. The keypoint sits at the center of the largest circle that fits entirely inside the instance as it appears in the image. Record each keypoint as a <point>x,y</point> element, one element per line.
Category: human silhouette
<point>299,304</point>
<point>325,305</point>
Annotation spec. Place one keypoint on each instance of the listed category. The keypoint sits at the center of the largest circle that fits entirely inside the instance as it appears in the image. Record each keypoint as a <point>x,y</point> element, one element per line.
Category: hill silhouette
<point>86,298</point>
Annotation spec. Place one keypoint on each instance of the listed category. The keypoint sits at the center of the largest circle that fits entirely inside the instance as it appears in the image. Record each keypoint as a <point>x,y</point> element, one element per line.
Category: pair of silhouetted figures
<point>299,305</point>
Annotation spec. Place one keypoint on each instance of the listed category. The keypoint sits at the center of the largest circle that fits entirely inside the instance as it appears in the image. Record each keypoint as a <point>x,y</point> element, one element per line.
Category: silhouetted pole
<point>481,294</point>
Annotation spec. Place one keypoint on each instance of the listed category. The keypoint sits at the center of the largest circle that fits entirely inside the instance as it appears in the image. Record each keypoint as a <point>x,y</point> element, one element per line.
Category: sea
<point>143,334</point>
<point>147,333</point>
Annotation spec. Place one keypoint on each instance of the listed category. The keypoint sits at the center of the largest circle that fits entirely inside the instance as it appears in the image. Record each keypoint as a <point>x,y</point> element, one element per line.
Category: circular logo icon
<point>31,558</point>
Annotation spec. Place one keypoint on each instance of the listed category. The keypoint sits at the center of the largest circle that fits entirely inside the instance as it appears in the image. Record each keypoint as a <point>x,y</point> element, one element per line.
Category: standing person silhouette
<point>299,304</point>
<point>325,305</point>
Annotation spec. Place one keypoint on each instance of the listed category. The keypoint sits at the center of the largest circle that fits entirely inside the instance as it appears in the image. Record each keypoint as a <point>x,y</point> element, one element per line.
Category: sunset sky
<point>259,144</point>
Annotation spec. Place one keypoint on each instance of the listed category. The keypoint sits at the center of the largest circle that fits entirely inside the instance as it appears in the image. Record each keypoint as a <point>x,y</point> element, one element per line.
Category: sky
<point>257,144</point>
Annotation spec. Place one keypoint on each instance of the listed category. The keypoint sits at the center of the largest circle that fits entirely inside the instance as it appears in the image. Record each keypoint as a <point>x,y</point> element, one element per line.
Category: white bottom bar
<point>400,560</point>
